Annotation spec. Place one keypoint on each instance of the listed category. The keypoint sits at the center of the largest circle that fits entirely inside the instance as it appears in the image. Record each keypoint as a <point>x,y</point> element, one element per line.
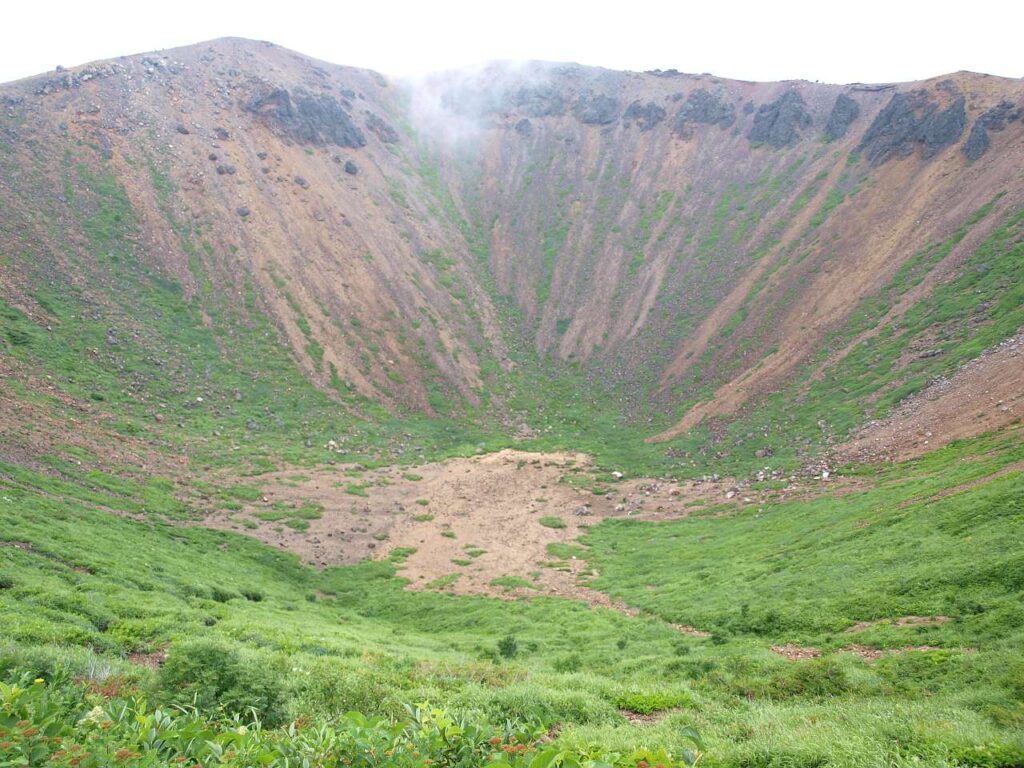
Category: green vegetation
<point>880,625</point>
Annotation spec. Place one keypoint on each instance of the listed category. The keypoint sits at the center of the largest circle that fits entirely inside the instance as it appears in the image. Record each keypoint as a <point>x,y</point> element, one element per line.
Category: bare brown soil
<point>902,621</point>
<point>796,652</point>
<point>472,520</point>
<point>983,396</point>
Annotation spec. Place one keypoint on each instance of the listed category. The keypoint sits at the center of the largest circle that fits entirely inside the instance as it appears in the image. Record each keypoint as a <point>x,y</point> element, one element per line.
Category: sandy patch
<point>462,524</point>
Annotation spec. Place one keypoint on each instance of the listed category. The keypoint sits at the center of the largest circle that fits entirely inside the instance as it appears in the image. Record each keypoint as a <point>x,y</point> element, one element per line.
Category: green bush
<point>647,702</point>
<point>819,678</point>
<point>508,647</point>
<point>216,679</point>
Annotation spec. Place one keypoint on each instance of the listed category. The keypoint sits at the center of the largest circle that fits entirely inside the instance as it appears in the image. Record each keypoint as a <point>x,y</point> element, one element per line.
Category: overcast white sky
<point>827,40</point>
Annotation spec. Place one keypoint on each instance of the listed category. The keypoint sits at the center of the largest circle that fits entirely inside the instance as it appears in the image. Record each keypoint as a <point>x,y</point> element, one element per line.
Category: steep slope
<point>703,240</point>
<point>741,269</point>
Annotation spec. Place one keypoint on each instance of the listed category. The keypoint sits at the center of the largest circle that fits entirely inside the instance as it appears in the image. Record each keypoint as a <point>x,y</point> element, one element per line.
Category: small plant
<point>424,518</point>
<point>550,521</point>
<point>508,647</point>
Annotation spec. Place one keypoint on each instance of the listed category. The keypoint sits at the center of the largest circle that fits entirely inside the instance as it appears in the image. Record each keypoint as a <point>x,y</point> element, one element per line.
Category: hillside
<point>367,385</point>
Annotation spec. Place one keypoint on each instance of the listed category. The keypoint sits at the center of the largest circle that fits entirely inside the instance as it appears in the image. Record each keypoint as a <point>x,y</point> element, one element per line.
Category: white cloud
<point>835,42</point>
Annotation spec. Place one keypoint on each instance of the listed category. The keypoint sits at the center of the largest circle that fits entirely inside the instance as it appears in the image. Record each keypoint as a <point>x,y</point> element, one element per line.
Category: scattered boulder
<point>844,112</point>
<point>524,127</point>
<point>778,124</point>
<point>221,133</point>
<point>596,109</point>
<point>226,170</point>
<point>646,116</point>
<point>704,108</point>
<point>242,211</point>
<point>351,168</point>
<point>301,181</point>
<point>182,129</point>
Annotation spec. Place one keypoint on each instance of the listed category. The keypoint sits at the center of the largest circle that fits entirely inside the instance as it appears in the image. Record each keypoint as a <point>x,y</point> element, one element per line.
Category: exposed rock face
<point>995,119</point>
<point>844,112</point>
<point>596,109</point>
<point>944,128</point>
<point>538,101</point>
<point>705,108</point>
<point>377,126</point>
<point>308,118</point>
<point>779,123</point>
<point>910,120</point>
<point>645,116</point>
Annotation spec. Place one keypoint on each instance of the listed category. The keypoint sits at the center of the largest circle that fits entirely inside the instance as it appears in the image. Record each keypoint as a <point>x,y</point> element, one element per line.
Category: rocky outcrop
<point>645,116</point>
<point>844,112</point>
<point>912,120</point>
<point>705,108</point>
<point>779,123</point>
<point>524,127</point>
<point>379,128</point>
<point>596,109</point>
<point>538,101</point>
<point>995,119</point>
<point>307,118</point>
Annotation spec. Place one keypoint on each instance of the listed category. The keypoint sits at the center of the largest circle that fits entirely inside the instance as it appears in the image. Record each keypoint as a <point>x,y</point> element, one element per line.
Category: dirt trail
<point>470,520</point>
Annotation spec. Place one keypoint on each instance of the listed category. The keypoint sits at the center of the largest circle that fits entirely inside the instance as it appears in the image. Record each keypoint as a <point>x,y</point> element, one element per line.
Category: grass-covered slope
<point>87,592</point>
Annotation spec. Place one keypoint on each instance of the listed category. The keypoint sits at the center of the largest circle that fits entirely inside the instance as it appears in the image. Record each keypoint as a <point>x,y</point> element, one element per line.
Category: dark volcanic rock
<point>308,119</point>
<point>596,109</point>
<point>779,123</point>
<point>381,129</point>
<point>221,133</point>
<point>351,168</point>
<point>705,108</point>
<point>943,128</point>
<point>646,116</point>
<point>538,100</point>
<point>524,127</point>
<point>844,112</point>
<point>909,120</point>
<point>995,119</point>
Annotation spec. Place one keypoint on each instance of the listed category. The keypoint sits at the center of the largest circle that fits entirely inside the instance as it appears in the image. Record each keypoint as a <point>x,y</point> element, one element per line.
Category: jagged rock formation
<point>704,108</point>
<point>844,112</point>
<point>995,119</point>
<point>311,119</point>
<point>910,120</point>
<point>780,122</point>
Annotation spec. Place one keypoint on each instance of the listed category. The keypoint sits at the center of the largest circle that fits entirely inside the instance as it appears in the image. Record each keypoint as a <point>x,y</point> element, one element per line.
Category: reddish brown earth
<point>628,243</point>
<point>983,396</point>
<point>490,505</point>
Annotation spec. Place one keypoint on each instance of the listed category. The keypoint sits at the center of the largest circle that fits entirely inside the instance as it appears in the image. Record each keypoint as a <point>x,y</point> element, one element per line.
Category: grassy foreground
<point>132,615</point>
